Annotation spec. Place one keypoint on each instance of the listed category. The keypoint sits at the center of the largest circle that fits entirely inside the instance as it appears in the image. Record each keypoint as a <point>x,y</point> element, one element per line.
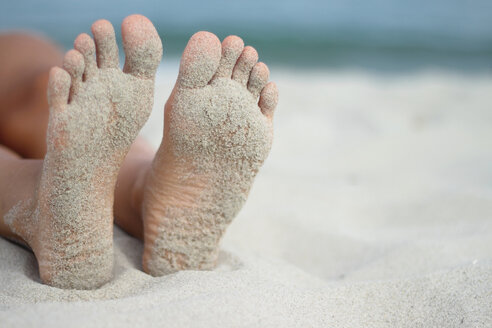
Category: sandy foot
<point>217,133</point>
<point>96,111</point>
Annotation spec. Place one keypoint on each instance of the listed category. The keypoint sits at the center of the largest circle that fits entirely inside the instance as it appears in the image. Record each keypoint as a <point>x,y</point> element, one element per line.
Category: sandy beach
<point>374,209</point>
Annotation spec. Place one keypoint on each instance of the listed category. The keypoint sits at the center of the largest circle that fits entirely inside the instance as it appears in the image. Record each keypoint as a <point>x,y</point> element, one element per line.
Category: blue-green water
<point>382,35</point>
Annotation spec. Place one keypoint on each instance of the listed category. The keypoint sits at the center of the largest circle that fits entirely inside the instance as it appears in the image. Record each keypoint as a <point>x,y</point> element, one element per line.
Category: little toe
<point>232,46</point>
<point>106,48</point>
<point>268,99</point>
<point>73,63</point>
<point>244,64</point>
<point>85,45</point>
<point>143,47</point>
<point>258,78</point>
<point>200,60</point>
<point>58,89</point>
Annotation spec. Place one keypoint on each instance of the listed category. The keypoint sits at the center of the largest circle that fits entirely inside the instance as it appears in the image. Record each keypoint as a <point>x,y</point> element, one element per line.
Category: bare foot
<point>96,111</point>
<point>216,136</point>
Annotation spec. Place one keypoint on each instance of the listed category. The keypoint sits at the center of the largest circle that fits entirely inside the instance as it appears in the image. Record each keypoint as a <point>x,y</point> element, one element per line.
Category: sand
<point>372,210</point>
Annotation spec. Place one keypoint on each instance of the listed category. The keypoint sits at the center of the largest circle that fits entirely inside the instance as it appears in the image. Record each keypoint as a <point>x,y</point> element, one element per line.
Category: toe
<point>232,46</point>
<point>200,60</point>
<point>258,78</point>
<point>106,48</point>
<point>85,45</point>
<point>143,47</point>
<point>244,64</point>
<point>268,99</point>
<point>58,89</point>
<point>73,63</point>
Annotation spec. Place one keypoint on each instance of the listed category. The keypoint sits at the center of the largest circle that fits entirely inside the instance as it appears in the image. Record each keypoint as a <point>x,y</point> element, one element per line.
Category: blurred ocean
<point>382,35</point>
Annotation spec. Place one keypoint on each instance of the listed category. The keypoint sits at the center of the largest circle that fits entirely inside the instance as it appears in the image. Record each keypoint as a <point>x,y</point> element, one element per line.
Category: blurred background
<point>383,35</point>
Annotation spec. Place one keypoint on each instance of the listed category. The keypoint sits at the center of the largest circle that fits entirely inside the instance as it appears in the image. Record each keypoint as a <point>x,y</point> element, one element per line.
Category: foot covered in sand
<point>96,112</point>
<point>217,134</point>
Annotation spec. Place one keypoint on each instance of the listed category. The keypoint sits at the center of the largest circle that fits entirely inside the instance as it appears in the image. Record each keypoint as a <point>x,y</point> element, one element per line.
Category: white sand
<point>374,209</point>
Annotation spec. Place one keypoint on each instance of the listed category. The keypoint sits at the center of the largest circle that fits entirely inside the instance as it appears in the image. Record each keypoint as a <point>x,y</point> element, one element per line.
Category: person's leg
<point>65,214</point>
<point>129,189</point>
<point>18,183</point>
<point>25,61</point>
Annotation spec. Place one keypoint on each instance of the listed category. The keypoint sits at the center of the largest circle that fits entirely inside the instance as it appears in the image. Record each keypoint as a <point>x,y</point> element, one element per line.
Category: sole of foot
<point>96,112</point>
<point>217,133</point>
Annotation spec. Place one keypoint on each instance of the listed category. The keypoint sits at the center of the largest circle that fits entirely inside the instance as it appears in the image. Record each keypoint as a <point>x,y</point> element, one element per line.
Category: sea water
<point>374,34</point>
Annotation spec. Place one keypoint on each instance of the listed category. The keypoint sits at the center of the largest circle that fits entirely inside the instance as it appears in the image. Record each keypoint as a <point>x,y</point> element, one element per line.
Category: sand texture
<point>374,209</point>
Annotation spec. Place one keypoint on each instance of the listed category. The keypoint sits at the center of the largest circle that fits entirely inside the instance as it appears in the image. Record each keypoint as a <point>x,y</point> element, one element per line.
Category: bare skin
<point>25,62</point>
<point>147,184</point>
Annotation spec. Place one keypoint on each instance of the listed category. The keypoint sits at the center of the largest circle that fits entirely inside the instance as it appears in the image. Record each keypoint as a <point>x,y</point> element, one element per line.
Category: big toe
<point>143,47</point>
<point>200,60</point>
